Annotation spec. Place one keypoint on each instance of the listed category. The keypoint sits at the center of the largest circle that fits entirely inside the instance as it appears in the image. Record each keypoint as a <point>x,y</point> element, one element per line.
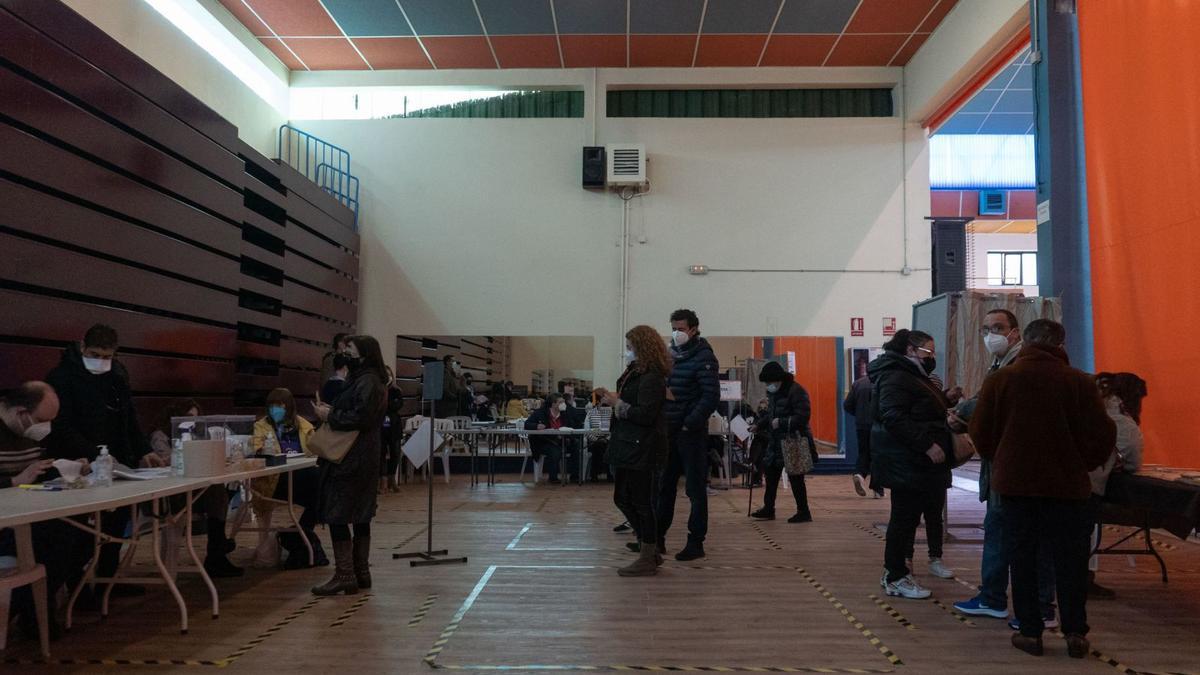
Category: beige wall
<point>145,32</point>
<point>731,351</point>
<point>567,355</point>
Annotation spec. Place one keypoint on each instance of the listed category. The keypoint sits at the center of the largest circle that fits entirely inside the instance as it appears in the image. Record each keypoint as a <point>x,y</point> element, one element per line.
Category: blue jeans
<point>993,591</point>
<point>688,456</point>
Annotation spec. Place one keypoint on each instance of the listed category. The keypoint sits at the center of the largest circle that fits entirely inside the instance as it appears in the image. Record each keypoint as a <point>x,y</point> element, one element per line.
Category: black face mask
<point>352,361</point>
<point>930,364</point>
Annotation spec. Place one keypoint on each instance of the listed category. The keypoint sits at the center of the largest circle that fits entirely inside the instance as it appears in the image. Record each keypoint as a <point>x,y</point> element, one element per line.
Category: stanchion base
<point>428,558</point>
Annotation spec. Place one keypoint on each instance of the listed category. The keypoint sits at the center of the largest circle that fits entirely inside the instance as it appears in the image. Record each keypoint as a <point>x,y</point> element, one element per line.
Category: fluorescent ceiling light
<point>205,30</point>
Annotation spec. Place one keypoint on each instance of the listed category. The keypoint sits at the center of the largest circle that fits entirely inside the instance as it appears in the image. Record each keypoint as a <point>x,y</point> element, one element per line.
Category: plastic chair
<point>523,440</point>
<point>11,579</point>
<point>445,427</point>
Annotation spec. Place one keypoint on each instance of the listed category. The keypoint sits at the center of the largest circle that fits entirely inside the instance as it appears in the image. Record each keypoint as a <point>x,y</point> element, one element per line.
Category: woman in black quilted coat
<point>347,495</point>
<point>789,411</point>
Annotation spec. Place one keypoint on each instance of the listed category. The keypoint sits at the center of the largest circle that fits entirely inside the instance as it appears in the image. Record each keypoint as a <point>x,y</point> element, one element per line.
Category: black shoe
<point>1078,646</point>
<point>763,514</point>
<point>28,625</point>
<point>623,527</point>
<point>801,518</point>
<point>635,546</point>
<point>692,551</point>
<point>1029,645</point>
<point>219,567</point>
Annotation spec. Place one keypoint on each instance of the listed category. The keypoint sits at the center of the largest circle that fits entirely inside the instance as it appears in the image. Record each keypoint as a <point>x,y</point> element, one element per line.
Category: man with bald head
<point>25,415</point>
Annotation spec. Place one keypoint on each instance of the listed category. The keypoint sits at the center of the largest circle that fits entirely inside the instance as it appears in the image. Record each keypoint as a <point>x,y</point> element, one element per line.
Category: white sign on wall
<point>731,390</point>
<point>1043,212</point>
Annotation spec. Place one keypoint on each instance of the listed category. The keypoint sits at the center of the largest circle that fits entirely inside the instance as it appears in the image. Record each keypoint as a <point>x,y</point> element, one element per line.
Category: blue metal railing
<point>320,161</point>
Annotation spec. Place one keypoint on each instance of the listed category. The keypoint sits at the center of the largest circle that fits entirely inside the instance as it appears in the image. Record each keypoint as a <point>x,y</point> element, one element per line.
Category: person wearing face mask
<point>61,548</point>
<point>97,409</point>
<point>638,444</point>
<point>552,415</point>
<point>453,388</point>
<point>788,413</point>
<point>909,444</point>
<point>337,346</point>
<point>695,391</point>
<point>337,381</point>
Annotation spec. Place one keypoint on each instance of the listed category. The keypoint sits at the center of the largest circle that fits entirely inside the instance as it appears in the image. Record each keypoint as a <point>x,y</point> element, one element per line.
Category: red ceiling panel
<point>240,11</point>
<point>661,51</point>
<point>295,17</point>
<point>907,51</point>
<point>327,53</point>
<point>729,50</point>
<point>944,203</point>
<point>277,48</point>
<point>889,16</point>
<point>392,53</point>
<point>865,50</point>
<point>935,17</point>
<point>1022,204</point>
<point>798,50</point>
<point>460,52</point>
<point>527,51</point>
<point>594,51</point>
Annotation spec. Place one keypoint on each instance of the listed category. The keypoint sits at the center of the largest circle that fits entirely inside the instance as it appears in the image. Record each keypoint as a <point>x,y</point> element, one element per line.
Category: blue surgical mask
<point>773,387</point>
<point>277,412</point>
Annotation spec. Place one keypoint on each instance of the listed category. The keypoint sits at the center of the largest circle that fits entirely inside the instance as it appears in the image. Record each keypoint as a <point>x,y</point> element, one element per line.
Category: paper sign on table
<point>739,428</point>
<point>416,449</point>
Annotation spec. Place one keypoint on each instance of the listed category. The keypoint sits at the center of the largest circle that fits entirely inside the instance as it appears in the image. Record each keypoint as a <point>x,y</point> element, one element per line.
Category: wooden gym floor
<point>540,592</point>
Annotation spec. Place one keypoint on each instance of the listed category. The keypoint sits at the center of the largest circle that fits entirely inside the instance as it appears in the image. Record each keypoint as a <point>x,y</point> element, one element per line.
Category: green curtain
<point>520,104</point>
<point>750,103</point>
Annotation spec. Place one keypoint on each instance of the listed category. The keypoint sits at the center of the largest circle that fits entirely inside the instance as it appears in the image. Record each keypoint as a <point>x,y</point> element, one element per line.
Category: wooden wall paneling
<point>265,224</point>
<point>302,241</point>
<point>38,161</point>
<point>21,362</point>
<point>316,302</point>
<point>42,215</point>
<point>295,354</point>
<point>255,350</point>
<point>39,109</point>
<point>150,408</point>
<point>31,262</point>
<point>262,255</point>
<point>297,183</point>
<point>261,287</point>
<point>304,327</point>
<point>302,269</point>
<point>97,91</point>
<point>261,167</point>
<point>31,316</point>
<point>91,43</point>
<point>242,381</point>
<point>259,318</point>
<point>319,222</point>
<point>253,183</point>
<point>300,382</point>
<point>408,368</point>
<point>172,375</point>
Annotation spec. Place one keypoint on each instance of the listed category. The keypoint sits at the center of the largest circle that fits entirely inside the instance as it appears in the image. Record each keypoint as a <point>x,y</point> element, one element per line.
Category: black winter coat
<point>909,417</point>
<point>540,445</point>
<point>639,424</point>
<point>792,407</point>
<point>95,410</point>
<point>348,488</point>
<point>694,386</point>
<point>858,402</point>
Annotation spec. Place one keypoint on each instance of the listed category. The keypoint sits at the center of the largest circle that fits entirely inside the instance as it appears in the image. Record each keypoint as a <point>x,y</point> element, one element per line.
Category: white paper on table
<point>416,449</point>
<point>739,428</point>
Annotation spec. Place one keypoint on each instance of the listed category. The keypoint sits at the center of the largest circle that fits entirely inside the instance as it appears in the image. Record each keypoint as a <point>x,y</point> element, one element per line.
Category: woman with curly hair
<point>638,444</point>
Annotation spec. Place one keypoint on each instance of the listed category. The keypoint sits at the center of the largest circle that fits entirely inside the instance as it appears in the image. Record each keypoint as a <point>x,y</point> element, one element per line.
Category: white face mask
<point>562,407</point>
<point>995,344</point>
<point>456,367</point>
<point>97,366</point>
<point>630,357</point>
<point>679,338</point>
<point>38,431</point>
<point>773,387</point>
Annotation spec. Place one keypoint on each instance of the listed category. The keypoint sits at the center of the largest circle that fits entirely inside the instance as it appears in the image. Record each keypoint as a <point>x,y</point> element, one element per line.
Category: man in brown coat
<point>1043,426</point>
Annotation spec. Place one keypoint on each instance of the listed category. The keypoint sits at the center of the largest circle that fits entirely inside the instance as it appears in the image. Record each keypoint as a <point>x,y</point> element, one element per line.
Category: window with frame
<point>1012,268</point>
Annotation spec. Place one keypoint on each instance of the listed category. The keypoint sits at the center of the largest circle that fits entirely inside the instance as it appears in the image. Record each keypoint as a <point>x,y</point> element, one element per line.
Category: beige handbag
<point>331,445</point>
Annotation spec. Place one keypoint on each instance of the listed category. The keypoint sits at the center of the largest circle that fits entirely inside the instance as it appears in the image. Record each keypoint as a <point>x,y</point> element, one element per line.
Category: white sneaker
<point>939,570</point>
<point>907,588</point>
<point>858,485</point>
<point>883,580</point>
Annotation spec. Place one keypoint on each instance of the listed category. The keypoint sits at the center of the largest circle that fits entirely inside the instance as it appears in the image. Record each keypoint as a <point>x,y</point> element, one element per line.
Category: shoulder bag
<point>963,450</point>
<point>797,454</point>
<point>331,445</point>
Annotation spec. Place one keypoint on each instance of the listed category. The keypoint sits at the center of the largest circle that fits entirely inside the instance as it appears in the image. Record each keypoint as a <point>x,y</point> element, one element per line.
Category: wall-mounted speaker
<point>949,256</point>
<point>593,167</point>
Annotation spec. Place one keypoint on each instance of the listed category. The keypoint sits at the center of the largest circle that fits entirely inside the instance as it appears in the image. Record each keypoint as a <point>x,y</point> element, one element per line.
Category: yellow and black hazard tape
<point>873,531</point>
<point>542,505</point>
<point>261,637</point>
<point>732,567</point>
<point>961,619</point>
<point>351,611</point>
<point>113,662</point>
<point>411,537</point>
<point>892,612</point>
<point>665,668</point>
<point>419,615</point>
<point>866,632</point>
<point>766,537</point>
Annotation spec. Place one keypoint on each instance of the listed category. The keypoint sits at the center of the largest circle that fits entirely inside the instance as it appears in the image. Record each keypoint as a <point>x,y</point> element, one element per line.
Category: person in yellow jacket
<point>282,431</point>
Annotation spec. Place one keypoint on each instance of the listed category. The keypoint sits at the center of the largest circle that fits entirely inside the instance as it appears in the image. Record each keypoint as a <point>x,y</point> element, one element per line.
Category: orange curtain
<point>816,371</point>
<point>1141,111</point>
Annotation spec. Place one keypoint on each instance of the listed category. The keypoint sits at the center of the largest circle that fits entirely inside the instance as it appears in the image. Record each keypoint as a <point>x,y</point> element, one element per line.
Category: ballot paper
<point>740,428</point>
<point>416,449</point>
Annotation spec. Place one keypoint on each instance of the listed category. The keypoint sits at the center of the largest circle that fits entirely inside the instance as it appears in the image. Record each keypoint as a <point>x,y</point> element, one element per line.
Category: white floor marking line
<point>513,544</point>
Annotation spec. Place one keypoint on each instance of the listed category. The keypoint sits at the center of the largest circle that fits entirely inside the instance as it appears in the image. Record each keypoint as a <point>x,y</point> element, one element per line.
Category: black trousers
<point>1063,525</point>
<point>862,465</point>
<point>688,458</point>
<point>799,490</point>
<point>633,493</point>
<point>907,507</point>
<point>935,525</point>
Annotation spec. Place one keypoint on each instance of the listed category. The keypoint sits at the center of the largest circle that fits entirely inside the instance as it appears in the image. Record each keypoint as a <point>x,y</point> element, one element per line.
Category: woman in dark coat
<point>788,413</point>
<point>910,443</point>
<point>552,415</point>
<point>347,496</point>
<point>638,444</point>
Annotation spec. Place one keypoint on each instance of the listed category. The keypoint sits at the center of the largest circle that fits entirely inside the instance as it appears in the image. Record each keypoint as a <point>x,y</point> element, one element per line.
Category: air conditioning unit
<point>992,203</point>
<point>626,164</point>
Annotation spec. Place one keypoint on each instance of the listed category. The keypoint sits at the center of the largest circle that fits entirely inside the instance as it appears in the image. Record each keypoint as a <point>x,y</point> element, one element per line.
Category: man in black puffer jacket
<point>694,395</point>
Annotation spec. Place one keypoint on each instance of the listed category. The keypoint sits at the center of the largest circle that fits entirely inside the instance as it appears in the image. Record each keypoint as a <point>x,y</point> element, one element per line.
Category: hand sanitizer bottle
<point>102,468</point>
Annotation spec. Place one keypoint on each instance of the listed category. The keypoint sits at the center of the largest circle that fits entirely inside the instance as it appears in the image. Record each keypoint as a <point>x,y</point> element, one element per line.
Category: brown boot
<point>362,564</point>
<point>343,575</point>
<point>646,564</point>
